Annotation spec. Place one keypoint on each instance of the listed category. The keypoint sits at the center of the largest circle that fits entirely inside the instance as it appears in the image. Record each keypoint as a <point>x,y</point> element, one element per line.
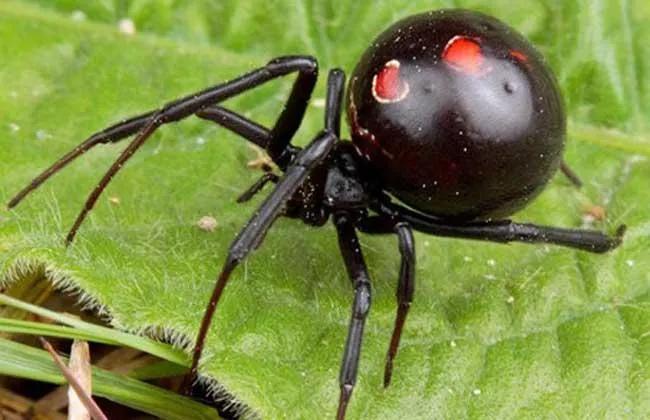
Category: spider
<point>456,122</point>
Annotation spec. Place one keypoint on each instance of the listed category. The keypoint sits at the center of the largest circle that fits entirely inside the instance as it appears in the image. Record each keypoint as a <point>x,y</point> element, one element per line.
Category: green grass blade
<point>23,361</point>
<point>102,334</point>
<point>14,326</point>
<point>163,369</point>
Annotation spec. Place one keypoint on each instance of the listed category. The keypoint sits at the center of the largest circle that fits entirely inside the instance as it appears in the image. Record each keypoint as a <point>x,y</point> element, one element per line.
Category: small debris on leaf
<point>207,223</point>
<point>78,16</point>
<point>318,103</point>
<point>126,26</point>
<point>114,200</point>
<point>593,213</point>
<point>43,135</point>
<point>262,160</point>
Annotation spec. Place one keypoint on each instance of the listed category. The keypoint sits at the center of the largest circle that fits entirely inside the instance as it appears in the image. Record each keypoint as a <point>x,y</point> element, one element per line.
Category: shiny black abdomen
<point>457,115</point>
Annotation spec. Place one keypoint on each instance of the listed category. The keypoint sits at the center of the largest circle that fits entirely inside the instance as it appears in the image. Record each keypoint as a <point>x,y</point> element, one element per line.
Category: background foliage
<point>495,332</point>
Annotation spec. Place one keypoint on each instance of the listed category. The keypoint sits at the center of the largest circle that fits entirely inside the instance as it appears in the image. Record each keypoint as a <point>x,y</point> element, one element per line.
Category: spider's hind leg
<point>358,273</point>
<point>404,294</point>
<point>406,282</point>
<point>571,175</point>
<point>502,231</point>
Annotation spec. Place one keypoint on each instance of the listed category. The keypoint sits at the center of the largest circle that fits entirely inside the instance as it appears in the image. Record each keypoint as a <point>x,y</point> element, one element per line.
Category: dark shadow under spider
<point>322,180</point>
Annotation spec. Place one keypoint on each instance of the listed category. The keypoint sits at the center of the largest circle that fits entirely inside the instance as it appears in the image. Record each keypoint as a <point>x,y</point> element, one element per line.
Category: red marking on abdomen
<point>387,86</point>
<point>363,140</point>
<point>464,53</point>
<point>519,56</point>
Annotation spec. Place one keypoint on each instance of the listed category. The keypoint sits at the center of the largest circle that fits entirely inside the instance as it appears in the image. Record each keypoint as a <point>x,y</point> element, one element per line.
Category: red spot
<point>519,56</point>
<point>464,53</point>
<point>387,86</point>
<point>363,140</point>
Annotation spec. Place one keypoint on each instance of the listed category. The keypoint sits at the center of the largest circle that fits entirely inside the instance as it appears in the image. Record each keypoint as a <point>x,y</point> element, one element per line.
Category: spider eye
<point>387,85</point>
<point>464,54</point>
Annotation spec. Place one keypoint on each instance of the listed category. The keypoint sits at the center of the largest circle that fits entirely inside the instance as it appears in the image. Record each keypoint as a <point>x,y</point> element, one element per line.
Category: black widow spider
<point>452,113</point>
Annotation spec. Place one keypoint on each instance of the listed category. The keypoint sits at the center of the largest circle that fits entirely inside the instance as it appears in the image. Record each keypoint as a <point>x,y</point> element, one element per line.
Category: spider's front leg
<point>275,141</point>
<point>335,87</point>
<point>253,233</point>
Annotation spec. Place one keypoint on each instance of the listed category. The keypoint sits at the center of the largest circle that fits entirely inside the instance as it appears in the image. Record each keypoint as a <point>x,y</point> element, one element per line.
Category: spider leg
<point>495,231</point>
<point>237,123</point>
<point>111,134</point>
<point>257,186</point>
<point>356,267</point>
<point>253,233</point>
<point>335,87</point>
<point>570,175</point>
<point>276,140</point>
<point>404,294</point>
<point>108,176</point>
<point>183,108</point>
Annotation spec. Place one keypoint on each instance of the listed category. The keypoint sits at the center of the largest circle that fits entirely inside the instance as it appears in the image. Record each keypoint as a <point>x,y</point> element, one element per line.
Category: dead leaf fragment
<point>207,223</point>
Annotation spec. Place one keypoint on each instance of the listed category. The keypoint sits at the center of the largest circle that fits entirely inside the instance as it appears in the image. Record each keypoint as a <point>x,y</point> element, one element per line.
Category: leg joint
<point>287,64</point>
<point>362,300</point>
<point>406,240</point>
<point>323,145</point>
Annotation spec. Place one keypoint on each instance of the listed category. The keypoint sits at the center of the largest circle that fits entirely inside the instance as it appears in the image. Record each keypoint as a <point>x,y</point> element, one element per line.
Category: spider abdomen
<point>456,115</point>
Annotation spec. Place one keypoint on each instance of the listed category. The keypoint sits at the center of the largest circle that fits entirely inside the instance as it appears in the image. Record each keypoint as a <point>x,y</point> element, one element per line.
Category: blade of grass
<point>615,139</point>
<point>162,369</point>
<point>15,326</point>
<point>23,361</point>
<point>108,335</point>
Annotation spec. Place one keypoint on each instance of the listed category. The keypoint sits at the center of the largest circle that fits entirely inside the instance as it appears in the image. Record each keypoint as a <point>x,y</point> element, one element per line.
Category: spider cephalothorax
<point>451,112</point>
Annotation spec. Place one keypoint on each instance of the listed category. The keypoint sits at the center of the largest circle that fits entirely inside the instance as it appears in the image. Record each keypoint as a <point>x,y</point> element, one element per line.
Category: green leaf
<point>495,331</point>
